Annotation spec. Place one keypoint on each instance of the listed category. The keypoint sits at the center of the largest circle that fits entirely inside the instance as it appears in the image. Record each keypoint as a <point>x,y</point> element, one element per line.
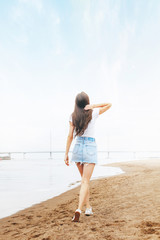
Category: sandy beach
<point>125,207</point>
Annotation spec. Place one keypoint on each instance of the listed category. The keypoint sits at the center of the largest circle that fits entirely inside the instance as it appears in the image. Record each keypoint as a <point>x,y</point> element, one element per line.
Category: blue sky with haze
<point>52,50</point>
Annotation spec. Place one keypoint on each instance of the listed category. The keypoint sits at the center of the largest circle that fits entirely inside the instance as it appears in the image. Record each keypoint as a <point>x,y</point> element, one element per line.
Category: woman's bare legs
<point>80,168</point>
<point>84,191</point>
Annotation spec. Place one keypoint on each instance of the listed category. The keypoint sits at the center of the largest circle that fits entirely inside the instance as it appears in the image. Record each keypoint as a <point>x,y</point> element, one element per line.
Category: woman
<point>82,122</point>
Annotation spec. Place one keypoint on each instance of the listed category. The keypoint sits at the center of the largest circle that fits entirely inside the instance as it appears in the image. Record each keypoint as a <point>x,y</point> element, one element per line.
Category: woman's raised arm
<point>103,107</point>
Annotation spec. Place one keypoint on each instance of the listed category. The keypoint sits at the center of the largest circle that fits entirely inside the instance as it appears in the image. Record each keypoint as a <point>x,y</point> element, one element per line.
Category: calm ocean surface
<point>24,182</point>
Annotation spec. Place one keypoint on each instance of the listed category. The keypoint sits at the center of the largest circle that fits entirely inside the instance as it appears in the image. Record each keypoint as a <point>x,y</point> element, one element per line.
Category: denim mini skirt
<point>85,150</point>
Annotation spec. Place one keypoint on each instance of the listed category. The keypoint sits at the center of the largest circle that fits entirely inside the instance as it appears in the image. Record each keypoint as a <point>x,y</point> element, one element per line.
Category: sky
<point>52,50</point>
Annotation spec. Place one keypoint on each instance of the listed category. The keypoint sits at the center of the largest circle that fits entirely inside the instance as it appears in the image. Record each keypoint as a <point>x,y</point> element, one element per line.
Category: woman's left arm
<point>68,144</point>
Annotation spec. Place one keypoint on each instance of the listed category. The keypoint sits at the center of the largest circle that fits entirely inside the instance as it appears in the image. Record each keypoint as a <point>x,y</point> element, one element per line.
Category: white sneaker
<point>88,211</point>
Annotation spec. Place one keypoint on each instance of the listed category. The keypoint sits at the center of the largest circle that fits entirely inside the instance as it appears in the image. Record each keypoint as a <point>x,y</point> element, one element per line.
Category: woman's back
<point>90,130</point>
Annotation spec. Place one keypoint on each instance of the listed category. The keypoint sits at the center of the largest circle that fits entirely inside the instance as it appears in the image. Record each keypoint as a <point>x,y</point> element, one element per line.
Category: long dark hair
<point>80,116</point>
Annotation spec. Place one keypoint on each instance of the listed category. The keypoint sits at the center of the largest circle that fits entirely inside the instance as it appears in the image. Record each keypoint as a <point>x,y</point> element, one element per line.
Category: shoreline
<point>125,206</point>
<point>36,190</point>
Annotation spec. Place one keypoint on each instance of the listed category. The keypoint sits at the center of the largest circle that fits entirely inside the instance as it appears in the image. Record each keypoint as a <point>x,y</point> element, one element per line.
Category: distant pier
<point>134,154</point>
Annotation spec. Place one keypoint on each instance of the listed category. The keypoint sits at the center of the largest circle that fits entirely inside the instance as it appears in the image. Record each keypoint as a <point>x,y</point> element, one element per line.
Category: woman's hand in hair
<point>88,106</point>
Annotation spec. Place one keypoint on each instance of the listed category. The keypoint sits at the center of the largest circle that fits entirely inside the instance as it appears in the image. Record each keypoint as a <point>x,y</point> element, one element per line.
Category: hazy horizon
<point>52,50</point>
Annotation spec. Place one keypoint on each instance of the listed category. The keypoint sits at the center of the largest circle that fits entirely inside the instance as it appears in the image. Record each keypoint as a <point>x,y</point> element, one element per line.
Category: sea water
<point>33,179</point>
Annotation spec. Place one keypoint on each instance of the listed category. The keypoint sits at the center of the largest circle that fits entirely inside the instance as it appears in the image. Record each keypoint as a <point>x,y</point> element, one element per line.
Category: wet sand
<point>125,207</point>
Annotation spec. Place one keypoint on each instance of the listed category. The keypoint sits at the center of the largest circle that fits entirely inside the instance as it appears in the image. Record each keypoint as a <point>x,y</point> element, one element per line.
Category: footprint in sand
<point>14,223</point>
<point>94,229</point>
<point>149,227</point>
<point>36,235</point>
<point>29,217</point>
<point>7,231</point>
<point>15,234</point>
<point>108,224</point>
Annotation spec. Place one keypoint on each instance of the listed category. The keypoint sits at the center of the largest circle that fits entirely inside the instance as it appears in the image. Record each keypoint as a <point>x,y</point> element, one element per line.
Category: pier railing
<point>108,154</point>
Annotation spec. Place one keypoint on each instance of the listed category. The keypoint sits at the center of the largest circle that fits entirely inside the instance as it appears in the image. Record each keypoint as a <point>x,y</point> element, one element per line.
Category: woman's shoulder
<point>95,112</point>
